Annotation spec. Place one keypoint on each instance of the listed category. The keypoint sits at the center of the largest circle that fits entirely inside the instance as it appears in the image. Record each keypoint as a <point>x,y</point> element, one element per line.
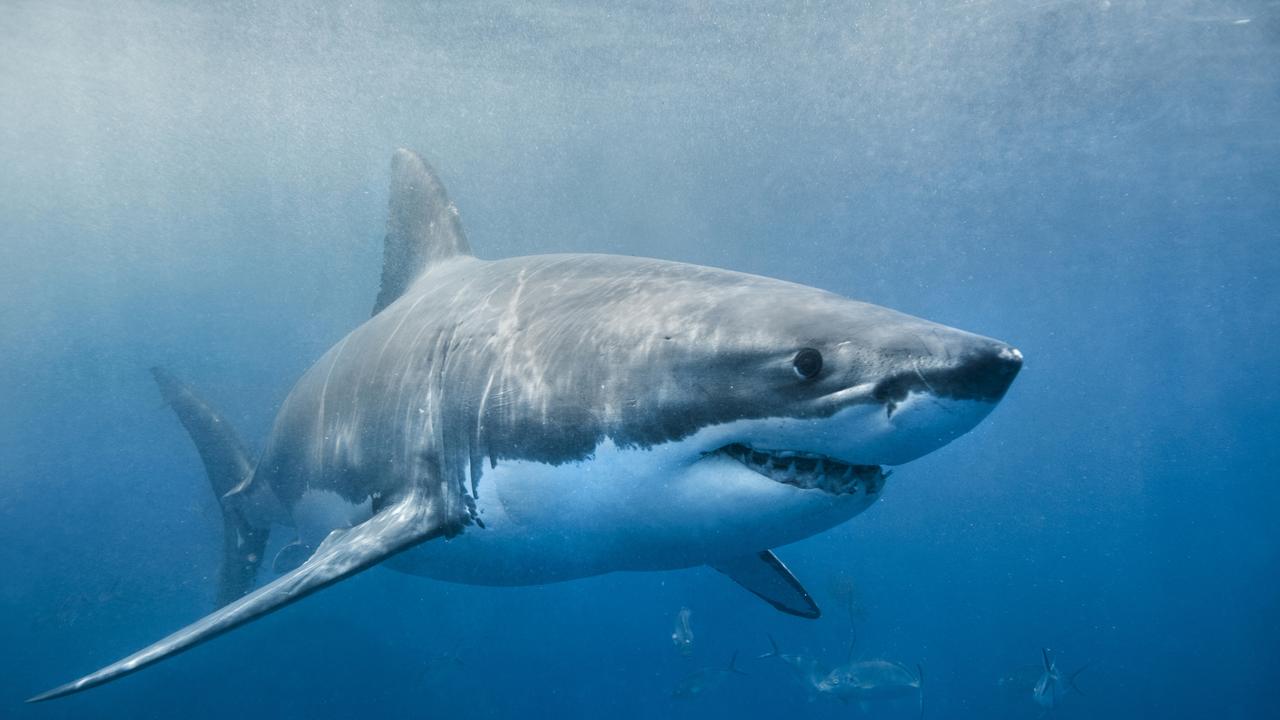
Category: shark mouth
<point>809,471</point>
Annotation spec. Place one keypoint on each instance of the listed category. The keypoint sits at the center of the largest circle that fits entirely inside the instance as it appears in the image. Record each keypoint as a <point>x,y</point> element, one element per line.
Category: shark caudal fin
<point>227,464</point>
<point>422,227</point>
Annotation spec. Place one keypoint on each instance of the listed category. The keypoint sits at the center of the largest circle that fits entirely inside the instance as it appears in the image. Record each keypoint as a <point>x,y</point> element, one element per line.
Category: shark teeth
<point>809,471</point>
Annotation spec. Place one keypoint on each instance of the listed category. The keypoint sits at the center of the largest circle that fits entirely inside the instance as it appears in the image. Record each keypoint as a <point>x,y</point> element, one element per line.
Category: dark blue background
<point>203,186</point>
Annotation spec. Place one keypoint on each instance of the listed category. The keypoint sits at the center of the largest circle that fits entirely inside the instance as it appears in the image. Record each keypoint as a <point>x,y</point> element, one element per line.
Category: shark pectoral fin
<point>410,521</point>
<point>765,575</point>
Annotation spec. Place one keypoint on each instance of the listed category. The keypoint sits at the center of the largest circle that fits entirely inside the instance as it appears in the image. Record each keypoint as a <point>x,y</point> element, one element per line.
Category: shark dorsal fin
<point>422,227</point>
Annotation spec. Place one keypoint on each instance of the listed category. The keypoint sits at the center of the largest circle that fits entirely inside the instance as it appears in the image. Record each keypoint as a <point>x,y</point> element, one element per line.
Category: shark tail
<point>226,462</point>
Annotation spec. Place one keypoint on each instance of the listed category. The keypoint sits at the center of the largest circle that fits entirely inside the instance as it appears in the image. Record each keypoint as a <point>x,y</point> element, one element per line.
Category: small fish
<point>806,670</point>
<point>682,637</point>
<point>865,681</point>
<point>1051,686</point>
<point>705,679</point>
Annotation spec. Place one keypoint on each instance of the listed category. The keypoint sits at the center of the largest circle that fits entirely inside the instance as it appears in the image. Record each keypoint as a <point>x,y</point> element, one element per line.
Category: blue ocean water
<point>203,186</point>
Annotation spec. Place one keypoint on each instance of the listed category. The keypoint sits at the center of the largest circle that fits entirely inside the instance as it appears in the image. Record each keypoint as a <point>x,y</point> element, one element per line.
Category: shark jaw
<point>809,471</point>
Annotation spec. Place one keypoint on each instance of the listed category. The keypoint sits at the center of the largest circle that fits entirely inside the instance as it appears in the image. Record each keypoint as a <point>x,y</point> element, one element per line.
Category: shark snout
<point>984,374</point>
<point>928,400</point>
<point>980,369</point>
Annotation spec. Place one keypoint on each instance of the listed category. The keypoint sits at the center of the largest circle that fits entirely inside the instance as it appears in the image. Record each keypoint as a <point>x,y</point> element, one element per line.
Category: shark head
<point>793,379</point>
<point>821,392</point>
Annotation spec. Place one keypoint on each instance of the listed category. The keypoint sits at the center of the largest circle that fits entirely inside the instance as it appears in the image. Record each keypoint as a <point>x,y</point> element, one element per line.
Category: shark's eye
<point>807,363</point>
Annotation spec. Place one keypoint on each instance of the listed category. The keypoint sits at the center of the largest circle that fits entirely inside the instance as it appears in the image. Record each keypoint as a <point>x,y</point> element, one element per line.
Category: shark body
<point>539,419</point>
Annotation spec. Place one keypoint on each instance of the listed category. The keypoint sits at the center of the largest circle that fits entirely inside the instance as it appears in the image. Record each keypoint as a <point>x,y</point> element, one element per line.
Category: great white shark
<point>544,418</point>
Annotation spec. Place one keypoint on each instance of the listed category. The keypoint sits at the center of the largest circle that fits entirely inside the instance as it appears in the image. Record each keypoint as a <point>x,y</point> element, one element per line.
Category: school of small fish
<point>869,682</point>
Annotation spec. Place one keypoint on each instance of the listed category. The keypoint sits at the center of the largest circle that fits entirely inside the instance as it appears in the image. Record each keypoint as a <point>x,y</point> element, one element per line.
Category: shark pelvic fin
<point>410,521</point>
<point>226,462</point>
<point>765,576</point>
<point>422,227</point>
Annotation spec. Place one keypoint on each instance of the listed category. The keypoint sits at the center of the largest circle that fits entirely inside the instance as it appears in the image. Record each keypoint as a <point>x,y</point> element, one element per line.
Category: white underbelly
<point>621,510</point>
